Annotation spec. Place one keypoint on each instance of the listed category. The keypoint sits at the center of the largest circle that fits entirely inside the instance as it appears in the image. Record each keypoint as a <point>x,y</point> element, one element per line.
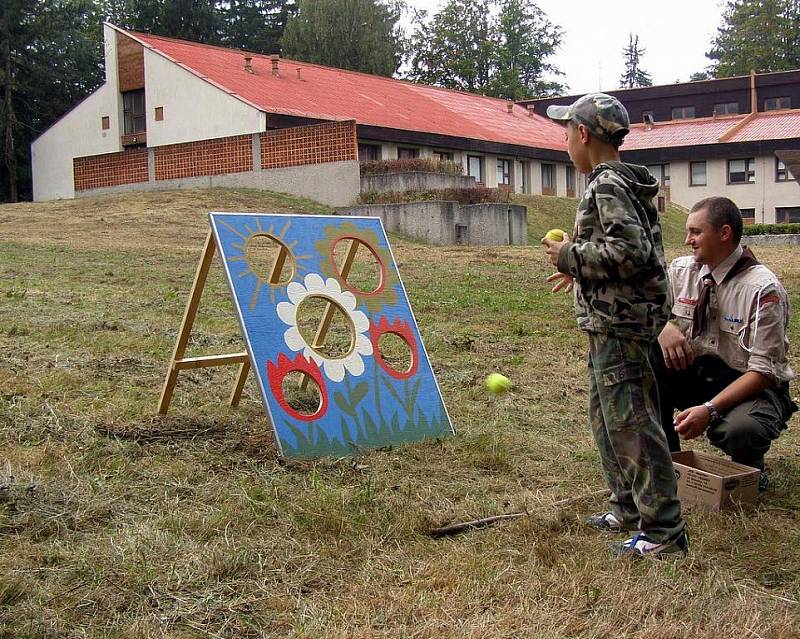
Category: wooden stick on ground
<point>454,529</point>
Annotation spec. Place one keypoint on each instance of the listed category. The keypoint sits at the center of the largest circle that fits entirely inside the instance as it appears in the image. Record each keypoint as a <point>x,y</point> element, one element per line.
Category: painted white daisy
<point>314,285</point>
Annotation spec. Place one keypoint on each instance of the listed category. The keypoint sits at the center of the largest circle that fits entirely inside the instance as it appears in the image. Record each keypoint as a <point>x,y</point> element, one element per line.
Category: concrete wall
<point>78,133</point>
<point>332,183</point>
<point>193,108</point>
<point>447,223</point>
<point>415,181</point>
<point>763,195</point>
<point>789,239</point>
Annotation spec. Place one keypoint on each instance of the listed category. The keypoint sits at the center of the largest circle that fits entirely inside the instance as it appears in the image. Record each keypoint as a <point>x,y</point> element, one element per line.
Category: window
<point>726,108</point>
<point>781,175</point>
<point>741,171</point>
<point>774,104</point>
<point>787,214</point>
<point>475,167</point>
<point>548,179</point>
<point>133,112</point>
<point>443,156</point>
<point>570,180</point>
<point>682,113</point>
<point>697,174</point>
<point>648,117</point>
<point>369,152</point>
<point>748,215</point>
<point>407,154</point>
<point>503,172</point>
<point>526,182</point>
<point>159,114</point>
<point>105,123</point>
<point>661,173</point>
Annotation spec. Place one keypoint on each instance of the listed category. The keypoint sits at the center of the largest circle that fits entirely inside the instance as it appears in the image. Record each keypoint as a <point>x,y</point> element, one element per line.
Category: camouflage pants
<point>624,415</point>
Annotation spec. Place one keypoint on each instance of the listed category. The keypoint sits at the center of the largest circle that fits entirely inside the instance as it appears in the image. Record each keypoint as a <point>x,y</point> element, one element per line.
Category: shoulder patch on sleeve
<point>769,299</point>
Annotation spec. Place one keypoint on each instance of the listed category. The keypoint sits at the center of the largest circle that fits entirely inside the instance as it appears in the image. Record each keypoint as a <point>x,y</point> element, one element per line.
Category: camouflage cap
<point>603,114</point>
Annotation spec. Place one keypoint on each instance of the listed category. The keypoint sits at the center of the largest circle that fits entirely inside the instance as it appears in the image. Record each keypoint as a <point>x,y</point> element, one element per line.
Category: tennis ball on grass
<point>497,383</point>
<point>554,235</point>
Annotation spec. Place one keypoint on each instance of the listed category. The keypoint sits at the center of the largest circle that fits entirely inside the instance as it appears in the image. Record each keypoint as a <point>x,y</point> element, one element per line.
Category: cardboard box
<point>713,483</point>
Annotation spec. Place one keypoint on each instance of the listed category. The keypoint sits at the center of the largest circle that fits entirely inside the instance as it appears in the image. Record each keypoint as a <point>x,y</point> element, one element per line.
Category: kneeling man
<point>725,346</point>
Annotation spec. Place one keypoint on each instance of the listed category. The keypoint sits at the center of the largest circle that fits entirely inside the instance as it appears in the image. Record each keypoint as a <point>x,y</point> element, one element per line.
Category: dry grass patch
<point>117,523</point>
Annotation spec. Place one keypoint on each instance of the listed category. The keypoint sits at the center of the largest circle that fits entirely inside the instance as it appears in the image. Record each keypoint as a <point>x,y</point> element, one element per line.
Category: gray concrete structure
<point>788,239</point>
<point>447,223</point>
<point>332,183</point>
<point>415,181</point>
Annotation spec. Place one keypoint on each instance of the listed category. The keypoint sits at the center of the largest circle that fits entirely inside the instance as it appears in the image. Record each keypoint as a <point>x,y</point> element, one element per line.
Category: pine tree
<point>634,75</point>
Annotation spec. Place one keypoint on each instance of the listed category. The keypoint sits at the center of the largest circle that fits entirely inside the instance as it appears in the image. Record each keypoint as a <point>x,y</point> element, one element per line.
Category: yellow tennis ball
<point>555,235</point>
<point>497,383</point>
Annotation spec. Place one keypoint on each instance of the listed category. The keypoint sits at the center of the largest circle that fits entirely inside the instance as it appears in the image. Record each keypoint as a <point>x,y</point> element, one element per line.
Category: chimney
<point>753,94</point>
<point>647,118</point>
<point>298,73</point>
<point>531,110</point>
<point>248,63</point>
<point>274,59</point>
<point>510,107</point>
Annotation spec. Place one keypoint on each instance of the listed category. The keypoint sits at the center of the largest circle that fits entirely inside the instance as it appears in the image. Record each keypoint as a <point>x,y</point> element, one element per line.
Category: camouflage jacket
<point>617,256</point>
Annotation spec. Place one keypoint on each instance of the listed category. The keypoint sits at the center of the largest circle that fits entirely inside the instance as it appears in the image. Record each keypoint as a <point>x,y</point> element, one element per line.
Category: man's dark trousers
<point>745,432</point>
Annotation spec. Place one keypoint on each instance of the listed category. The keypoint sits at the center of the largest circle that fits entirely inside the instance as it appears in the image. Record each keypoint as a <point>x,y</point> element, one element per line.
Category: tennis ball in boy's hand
<point>497,383</point>
<point>554,235</point>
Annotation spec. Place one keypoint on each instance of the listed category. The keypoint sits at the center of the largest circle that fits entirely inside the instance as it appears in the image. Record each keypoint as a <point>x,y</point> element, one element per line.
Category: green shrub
<point>472,195</point>
<point>415,165</point>
<point>771,229</point>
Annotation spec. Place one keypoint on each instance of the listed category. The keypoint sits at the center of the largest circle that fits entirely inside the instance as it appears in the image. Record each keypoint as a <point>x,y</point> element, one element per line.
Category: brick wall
<point>205,157</point>
<point>315,144</point>
<point>110,169</point>
<point>130,63</point>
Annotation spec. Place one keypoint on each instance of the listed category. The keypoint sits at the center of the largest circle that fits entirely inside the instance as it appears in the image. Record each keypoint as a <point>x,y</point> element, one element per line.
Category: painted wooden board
<point>369,382</point>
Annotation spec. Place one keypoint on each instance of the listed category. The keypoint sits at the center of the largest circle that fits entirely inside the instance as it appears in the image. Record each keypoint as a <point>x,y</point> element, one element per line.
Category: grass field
<point>115,523</point>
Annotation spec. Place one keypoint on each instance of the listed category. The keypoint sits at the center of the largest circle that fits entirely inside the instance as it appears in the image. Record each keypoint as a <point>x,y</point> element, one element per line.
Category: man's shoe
<point>640,545</point>
<point>763,480</point>
<point>606,521</point>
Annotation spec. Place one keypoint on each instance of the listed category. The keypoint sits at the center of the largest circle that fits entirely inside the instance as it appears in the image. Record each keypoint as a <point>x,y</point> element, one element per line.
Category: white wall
<point>193,108</point>
<point>78,133</point>
<point>763,195</point>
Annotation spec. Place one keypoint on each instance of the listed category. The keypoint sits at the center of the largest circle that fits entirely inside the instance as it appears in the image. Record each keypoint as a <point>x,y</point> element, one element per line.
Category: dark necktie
<point>701,310</point>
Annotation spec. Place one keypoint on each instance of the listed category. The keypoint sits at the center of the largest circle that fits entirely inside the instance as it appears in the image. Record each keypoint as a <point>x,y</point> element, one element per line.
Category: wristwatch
<point>713,413</point>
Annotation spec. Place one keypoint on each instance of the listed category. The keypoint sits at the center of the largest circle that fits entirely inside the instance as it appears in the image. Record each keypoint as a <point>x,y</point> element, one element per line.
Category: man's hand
<point>692,422</point>
<point>676,348</point>
<point>553,248</point>
<point>562,281</point>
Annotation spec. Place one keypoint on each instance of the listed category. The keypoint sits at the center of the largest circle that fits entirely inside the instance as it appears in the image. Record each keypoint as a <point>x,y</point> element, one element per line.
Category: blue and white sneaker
<point>607,521</point>
<point>640,545</point>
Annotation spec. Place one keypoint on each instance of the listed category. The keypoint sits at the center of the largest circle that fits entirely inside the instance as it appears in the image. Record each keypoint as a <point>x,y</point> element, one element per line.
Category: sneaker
<point>640,545</point>
<point>763,480</point>
<point>606,521</point>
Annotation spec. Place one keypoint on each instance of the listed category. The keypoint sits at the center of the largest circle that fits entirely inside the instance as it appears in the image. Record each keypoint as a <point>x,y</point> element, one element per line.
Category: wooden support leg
<point>185,330</point>
<point>241,378</point>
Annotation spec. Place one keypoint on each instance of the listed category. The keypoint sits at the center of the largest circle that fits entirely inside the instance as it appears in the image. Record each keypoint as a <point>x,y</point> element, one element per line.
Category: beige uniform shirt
<point>747,315</point>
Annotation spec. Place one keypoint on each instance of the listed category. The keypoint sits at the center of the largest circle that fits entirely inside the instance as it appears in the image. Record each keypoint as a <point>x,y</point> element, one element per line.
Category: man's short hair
<point>722,211</point>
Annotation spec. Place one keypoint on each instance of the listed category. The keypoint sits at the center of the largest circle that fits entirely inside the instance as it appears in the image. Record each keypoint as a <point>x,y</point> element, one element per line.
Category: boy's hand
<point>562,281</point>
<point>677,350</point>
<point>552,248</point>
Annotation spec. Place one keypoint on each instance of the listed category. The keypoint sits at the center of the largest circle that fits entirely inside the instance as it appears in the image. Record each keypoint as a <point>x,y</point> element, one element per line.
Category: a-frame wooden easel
<point>178,362</point>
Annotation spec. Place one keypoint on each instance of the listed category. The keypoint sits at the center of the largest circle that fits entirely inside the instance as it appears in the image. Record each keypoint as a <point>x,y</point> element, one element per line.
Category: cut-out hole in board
<point>339,334</point>
<point>269,258</point>
<point>396,352</point>
<point>302,393</point>
<point>365,272</point>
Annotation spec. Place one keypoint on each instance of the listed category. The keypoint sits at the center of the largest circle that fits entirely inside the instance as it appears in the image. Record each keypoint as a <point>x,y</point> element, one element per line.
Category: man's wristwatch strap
<point>713,413</point>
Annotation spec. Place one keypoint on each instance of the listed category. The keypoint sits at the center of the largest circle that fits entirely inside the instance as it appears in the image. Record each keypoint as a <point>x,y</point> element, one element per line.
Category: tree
<point>525,39</point>
<point>757,34</point>
<point>463,47</point>
<point>50,52</point>
<point>196,20</point>
<point>362,35</point>
<point>634,75</point>
<point>455,49</point>
<point>256,25</point>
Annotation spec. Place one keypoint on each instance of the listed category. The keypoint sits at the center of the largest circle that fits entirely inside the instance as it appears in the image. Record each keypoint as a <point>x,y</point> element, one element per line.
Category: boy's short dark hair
<point>722,211</point>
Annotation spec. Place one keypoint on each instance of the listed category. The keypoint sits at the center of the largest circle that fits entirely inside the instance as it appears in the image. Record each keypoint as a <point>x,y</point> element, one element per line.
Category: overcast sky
<point>675,35</point>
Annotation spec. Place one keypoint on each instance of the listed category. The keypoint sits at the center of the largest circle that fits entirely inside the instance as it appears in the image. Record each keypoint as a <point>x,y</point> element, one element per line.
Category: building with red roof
<point>176,113</point>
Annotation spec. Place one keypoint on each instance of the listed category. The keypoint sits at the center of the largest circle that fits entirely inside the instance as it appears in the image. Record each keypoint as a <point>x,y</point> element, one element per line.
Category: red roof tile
<point>314,91</point>
<point>772,125</point>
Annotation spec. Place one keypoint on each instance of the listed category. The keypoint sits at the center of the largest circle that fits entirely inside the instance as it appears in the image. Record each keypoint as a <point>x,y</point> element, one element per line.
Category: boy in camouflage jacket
<point>616,265</point>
